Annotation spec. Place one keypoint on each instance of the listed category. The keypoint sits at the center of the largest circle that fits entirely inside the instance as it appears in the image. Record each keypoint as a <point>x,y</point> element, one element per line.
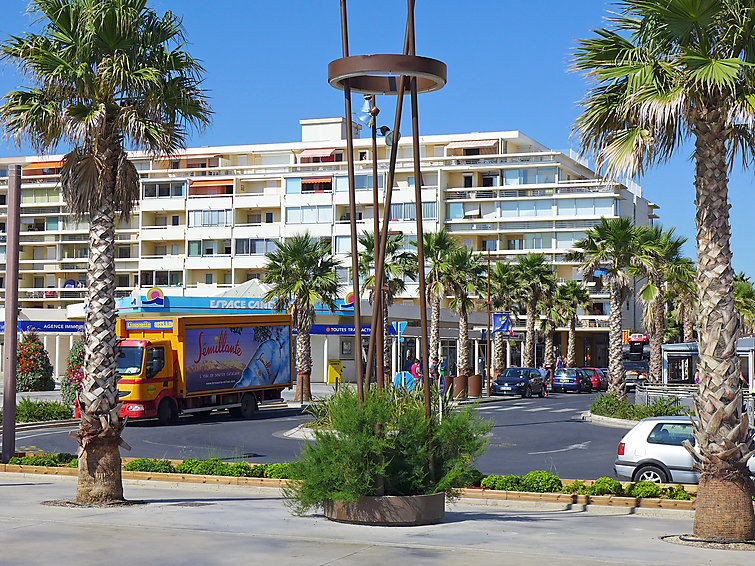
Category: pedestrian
<point>560,362</point>
<point>415,371</point>
<point>544,377</point>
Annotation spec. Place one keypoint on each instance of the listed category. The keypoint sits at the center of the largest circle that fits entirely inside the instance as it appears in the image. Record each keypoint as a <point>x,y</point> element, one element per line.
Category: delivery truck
<point>170,366</point>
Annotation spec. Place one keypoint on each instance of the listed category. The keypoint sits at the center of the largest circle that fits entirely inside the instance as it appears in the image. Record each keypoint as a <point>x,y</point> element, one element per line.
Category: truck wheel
<point>248,406</point>
<point>167,412</point>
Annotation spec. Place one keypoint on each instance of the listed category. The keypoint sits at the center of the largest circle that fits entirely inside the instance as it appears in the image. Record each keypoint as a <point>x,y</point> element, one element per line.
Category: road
<point>527,434</point>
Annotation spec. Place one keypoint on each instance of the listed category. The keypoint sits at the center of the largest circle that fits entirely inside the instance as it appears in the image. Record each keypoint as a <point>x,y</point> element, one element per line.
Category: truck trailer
<point>170,366</point>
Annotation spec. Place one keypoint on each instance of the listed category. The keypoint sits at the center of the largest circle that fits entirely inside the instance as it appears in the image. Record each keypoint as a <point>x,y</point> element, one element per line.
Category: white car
<point>653,451</point>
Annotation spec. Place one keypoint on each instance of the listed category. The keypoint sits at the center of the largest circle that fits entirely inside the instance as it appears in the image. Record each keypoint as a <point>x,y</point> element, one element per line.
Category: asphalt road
<point>527,434</point>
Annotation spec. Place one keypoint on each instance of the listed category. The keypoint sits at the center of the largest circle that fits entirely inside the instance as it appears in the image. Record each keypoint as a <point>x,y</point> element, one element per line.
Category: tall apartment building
<point>206,217</point>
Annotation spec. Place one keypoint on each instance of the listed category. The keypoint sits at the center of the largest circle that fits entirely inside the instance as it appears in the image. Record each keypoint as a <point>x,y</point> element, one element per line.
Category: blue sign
<point>149,325</point>
<point>502,323</point>
<point>212,305</point>
<point>47,326</point>
<point>339,329</point>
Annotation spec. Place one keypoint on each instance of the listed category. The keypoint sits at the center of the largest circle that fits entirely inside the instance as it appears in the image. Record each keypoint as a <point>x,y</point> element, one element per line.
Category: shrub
<point>610,406</point>
<point>540,481</point>
<point>187,466</point>
<point>644,489</point>
<point>212,467</point>
<point>606,486</point>
<point>150,465</point>
<point>474,478</point>
<point>32,411</point>
<point>490,482</point>
<point>33,366</point>
<point>387,443</point>
<point>576,487</point>
<point>73,463</point>
<point>277,471</point>
<point>258,470</point>
<point>240,470</point>
<point>65,458</point>
<point>503,483</point>
<point>47,460</point>
<point>676,492</point>
<point>70,385</point>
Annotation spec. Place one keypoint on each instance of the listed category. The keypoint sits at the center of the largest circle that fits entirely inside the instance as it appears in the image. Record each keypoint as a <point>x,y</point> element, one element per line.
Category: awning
<point>472,144</point>
<point>212,183</point>
<point>188,157</point>
<point>323,152</point>
<point>316,180</point>
<point>43,165</point>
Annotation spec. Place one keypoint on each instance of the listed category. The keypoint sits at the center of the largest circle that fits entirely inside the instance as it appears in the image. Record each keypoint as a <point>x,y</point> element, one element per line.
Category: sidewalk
<point>199,524</point>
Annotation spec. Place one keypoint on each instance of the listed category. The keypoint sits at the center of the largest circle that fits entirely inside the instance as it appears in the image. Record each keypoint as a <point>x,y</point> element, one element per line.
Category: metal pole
<point>352,213</point>
<point>378,297</point>
<point>488,357</point>
<point>11,313</point>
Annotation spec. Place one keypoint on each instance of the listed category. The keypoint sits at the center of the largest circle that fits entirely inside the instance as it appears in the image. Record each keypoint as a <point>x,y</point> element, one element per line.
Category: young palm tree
<point>666,72</point>
<point>570,297</point>
<point>302,273</point>
<point>439,247</point>
<point>400,265</point>
<point>551,309</point>
<point>535,273</point>
<point>610,245</point>
<point>683,290</point>
<point>505,292</point>
<point>467,272</point>
<point>658,254</point>
<point>109,74</point>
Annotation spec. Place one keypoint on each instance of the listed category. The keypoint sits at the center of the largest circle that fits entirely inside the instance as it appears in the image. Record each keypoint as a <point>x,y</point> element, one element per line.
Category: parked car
<point>634,373</point>
<point>653,451</point>
<point>518,381</point>
<point>598,378</point>
<point>571,379</point>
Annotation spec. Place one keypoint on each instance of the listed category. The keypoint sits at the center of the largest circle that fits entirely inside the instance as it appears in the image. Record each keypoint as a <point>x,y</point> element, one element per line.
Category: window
<point>161,278</point>
<point>429,211</point>
<point>490,245</point>
<point>361,183</point>
<point>268,218</point>
<point>566,207</point>
<point>471,151</point>
<point>254,218</point>
<point>293,186</point>
<point>210,218</point>
<point>543,208</point>
<point>208,247</point>
<point>406,211</point>
<point>163,190</point>
<point>174,249</point>
<point>208,278</point>
<point>253,247</point>
<point>343,244</point>
<point>242,247</point>
<point>155,361</point>
<point>195,248</point>
<point>175,220</point>
<point>468,181</point>
<point>226,278</point>
<point>454,210</point>
<point>603,207</point>
<point>671,433</point>
<point>176,277</point>
<point>160,250</point>
<point>124,252</point>
<point>161,220</point>
<point>490,180</point>
<point>309,215</point>
<point>293,216</point>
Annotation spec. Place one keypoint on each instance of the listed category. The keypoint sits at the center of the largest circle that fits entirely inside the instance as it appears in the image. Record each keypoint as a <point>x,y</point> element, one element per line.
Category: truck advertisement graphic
<point>232,357</point>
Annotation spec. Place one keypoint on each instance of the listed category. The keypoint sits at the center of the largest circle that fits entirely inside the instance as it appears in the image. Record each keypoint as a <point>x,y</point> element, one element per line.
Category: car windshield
<point>515,373</point>
<point>638,367</point>
<point>566,372</point>
<point>129,359</point>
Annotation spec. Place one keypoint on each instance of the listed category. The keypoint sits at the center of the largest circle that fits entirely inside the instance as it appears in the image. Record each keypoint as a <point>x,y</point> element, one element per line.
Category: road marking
<point>508,408</point>
<point>566,410</point>
<point>580,446</point>
<point>535,410</point>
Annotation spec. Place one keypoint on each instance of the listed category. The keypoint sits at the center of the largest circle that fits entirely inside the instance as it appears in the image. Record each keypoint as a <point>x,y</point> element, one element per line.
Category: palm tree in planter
<point>466,282</point>
<point>302,274</point>
<point>610,246</point>
<point>552,317</point>
<point>400,266</point>
<point>505,292</point>
<point>438,248</point>
<point>666,72</point>
<point>109,74</point>
<point>571,296</point>
<point>537,279</point>
<point>658,253</point>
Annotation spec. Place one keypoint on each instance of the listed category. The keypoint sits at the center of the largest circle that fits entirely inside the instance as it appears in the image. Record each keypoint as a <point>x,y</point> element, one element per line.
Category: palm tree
<point>467,272</point>
<point>658,254</point>
<point>302,272</point>
<point>552,313</point>
<point>570,297</point>
<point>744,301</point>
<point>505,291</point>
<point>438,248</point>
<point>535,273</point>
<point>666,72</point>
<point>683,291</point>
<point>400,265</point>
<point>109,74</point>
<point>610,246</point>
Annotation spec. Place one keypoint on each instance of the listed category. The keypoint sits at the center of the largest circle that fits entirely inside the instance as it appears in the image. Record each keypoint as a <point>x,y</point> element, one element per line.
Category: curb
<point>608,421</point>
<point>39,425</point>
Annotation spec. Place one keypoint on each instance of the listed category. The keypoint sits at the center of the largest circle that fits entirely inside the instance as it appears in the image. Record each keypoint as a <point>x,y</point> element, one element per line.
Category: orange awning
<point>472,144</point>
<point>43,165</point>
<point>316,180</point>
<point>212,183</point>
<point>322,152</point>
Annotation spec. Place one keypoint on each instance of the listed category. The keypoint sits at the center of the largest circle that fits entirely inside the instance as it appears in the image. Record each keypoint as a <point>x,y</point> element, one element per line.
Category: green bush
<point>215,467</point>
<point>610,406</point>
<point>576,487</point>
<point>28,411</point>
<point>47,460</point>
<point>606,486</point>
<point>65,458</point>
<point>240,470</point>
<point>676,492</point>
<point>540,481</point>
<point>644,489</point>
<point>73,463</point>
<point>187,466</point>
<point>34,370</point>
<point>150,465</point>
<point>70,385</point>
<point>510,482</point>
<point>386,444</point>
<point>474,478</point>
<point>277,471</point>
<point>490,482</point>
<point>212,467</point>
<point>258,470</point>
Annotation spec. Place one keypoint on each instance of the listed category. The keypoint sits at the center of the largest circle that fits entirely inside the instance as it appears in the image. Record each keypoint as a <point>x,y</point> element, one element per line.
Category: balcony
<point>264,230</point>
<point>208,262</point>
<point>162,233</point>
<point>162,204</point>
<point>162,263</point>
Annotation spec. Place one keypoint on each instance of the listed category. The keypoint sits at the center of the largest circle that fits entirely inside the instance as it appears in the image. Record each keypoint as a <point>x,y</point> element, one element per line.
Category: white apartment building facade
<point>206,217</point>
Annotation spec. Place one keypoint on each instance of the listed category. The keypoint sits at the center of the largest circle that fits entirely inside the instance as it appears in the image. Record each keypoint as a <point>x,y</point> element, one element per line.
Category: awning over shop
<point>212,183</point>
<point>468,144</point>
<point>322,152</point>
<point>312,180</point>
<point>43,165</point>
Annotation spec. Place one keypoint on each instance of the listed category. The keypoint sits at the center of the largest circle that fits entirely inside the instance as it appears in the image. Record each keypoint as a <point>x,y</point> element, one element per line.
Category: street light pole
<point>488,357</point>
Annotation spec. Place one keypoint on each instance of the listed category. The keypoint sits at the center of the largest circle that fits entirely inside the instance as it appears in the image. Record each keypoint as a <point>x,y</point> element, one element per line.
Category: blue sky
<point>507,63</point>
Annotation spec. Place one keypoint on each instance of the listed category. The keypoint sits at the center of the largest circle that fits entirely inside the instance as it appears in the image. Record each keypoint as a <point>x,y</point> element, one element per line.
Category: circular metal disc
<point>379,73</point>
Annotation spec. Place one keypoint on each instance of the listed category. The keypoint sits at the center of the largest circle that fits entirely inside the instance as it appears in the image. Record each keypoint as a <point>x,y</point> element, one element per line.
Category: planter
<point>389,510</point>
<point>460,387</point>
<point>474,386</point>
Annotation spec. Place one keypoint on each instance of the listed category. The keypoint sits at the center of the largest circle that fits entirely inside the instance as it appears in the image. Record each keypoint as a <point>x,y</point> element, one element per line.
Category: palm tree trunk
<point>498,347</point>
<point>434,331</point>
<point>571,347</point>
<point>463,356</point>
<point>99,477</point>
<point>529,340</point>
<point>656,337</point>
<point>617,384</point>
<point>724,502</point>
<point>386,345</point>
<point>548,358</point>
<point>689,325</point>
<point>304,358</point>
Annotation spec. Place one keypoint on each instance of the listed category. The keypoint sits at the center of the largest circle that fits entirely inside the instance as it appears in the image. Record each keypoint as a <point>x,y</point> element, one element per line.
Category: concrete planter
<point>389,510</point>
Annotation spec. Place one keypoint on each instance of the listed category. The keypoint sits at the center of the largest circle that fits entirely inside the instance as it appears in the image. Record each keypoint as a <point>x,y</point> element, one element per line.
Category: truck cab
<point>146,376</point>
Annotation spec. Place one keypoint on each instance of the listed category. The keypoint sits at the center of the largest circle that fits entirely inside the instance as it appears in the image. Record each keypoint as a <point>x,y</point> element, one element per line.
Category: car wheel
<point>248,406</point>
<point>527,392</point>
<point>650,473</point>
<point>167,412</point>
<point>579,387</point>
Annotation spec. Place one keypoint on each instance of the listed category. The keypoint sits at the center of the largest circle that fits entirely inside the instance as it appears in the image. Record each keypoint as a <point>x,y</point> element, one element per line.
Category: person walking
<point>544,376</point>
<point>415,371</point>
<point>559,362</point>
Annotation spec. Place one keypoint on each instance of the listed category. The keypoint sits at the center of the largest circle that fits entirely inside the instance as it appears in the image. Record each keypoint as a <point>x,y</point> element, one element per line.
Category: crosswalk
<point>527,408</point>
